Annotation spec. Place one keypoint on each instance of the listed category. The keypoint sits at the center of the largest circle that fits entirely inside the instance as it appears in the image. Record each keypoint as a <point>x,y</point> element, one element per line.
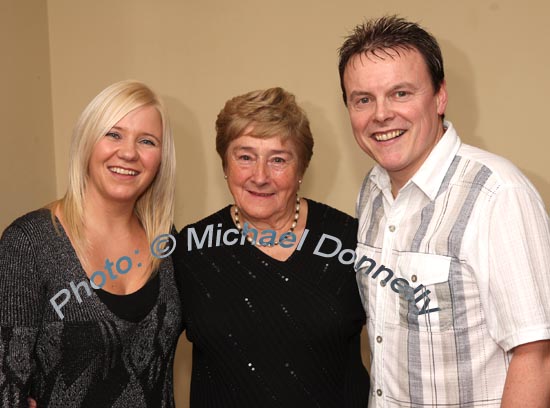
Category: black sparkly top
<point>267,333</point>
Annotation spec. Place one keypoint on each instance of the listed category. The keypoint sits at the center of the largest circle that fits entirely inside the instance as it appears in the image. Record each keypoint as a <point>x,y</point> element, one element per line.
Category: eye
<point>113,135</point>
<point>401,94</point>
<point>148,142</point>
<point>244,157</point>
<point>364,100</point>
<point>279,163</point>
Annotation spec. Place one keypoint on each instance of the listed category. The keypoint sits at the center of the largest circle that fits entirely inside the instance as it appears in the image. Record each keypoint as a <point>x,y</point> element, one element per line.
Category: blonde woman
<point>88,316</point>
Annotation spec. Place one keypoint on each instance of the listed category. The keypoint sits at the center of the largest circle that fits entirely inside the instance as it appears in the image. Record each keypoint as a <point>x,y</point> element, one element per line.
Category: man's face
<point>394,111</point>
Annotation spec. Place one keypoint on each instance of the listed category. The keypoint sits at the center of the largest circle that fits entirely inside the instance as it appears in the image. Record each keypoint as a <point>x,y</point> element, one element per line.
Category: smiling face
<point>262,175</point>
<point>394,112</point>
<point>125,161</point>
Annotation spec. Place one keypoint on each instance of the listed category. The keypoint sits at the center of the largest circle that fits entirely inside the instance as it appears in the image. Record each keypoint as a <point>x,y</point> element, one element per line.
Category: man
<point>453,256</point>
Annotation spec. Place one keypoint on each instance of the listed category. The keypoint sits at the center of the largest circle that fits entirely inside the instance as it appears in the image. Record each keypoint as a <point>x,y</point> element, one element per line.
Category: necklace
<point>249,239</point>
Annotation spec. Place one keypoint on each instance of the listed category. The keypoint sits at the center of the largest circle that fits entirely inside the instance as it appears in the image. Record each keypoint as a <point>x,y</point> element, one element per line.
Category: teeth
<point>389,135</point>
<point>118,170</point>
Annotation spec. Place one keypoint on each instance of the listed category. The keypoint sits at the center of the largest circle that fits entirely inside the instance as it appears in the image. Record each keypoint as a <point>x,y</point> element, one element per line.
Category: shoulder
<point>502,170</point>
<point>497,178</point>
<point>33,225</point>
<point>328,213</point>
<point>330,219</point>
<point>25,254</point>
<point>204,229</point>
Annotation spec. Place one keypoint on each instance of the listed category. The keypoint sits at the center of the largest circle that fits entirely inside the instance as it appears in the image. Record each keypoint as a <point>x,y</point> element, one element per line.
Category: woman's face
<point>124,162</point>
<point>262,175</point>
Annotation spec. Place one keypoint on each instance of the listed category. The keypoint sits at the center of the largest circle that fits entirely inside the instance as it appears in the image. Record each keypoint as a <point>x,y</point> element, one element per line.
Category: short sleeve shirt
<point>453,274</point>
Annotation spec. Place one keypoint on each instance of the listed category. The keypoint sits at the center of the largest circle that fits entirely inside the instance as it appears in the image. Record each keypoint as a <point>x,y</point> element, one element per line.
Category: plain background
<point>58,54</point>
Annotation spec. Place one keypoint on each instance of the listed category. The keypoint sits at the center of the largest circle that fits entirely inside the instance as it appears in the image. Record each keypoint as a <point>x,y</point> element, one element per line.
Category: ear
<point>441,98</point>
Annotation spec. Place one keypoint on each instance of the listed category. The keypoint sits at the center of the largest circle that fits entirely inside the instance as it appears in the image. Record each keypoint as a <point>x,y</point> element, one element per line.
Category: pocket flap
<point>425,269</point>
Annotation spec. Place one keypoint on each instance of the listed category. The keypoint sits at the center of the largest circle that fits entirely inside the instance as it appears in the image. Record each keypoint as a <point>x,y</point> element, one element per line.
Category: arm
<point>178,256</point>
<point>528,379</point>
<point>20,316</point>
<point>519,311</point>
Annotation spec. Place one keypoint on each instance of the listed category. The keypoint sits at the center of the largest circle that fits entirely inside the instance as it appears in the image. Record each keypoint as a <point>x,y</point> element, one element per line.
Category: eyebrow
<point>400,85</point>
<point>358,93</point>
<point>271,152</point>
<point>403,85</point>
<point>144,133</point>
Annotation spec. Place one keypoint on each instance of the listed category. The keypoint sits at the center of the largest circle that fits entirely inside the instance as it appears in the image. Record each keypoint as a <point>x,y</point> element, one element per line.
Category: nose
<point>128,151</point>
<point>383,111</point>
<point>261,172</point>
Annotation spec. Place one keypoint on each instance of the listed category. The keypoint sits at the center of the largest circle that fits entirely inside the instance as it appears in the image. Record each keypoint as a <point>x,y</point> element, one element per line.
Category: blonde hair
<point>155,207</point>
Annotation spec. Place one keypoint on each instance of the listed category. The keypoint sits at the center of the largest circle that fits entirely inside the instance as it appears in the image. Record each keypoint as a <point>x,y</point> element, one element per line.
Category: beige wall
<point>27,162</point>
<point>199,53</point>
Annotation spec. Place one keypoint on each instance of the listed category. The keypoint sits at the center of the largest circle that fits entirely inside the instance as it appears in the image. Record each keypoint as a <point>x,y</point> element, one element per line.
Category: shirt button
<point>379,339</point>
<point>379,392</point>
<point>382,283</point>
<point>391,228</point>
<point>413,278</point>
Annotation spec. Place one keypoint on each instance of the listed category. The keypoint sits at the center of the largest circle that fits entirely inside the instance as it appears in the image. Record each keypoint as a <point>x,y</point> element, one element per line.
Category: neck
<point>396,185</point>
<point>277,222</point>
<point>109,217</point>
<point>291,221</point>
<point>400,178</point>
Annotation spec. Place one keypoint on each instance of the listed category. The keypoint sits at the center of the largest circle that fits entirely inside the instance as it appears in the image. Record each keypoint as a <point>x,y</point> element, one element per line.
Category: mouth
<point>123,171</point>
<point>384,136</point>
<point>256,194</point>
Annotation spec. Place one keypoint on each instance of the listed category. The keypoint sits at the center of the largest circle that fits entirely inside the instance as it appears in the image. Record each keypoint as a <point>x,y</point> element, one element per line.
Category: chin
<point>124,197</point>
<point>259,214</point>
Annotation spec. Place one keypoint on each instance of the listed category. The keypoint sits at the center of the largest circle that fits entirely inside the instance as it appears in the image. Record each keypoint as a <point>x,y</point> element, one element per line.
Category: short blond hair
<point>271,112</point>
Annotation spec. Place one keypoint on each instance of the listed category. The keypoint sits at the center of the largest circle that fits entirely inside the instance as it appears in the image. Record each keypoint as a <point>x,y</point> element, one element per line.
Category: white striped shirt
<point>453,273</point>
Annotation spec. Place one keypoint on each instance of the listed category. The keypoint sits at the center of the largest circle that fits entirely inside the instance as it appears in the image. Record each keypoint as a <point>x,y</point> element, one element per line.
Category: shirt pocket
<point>424,305</point>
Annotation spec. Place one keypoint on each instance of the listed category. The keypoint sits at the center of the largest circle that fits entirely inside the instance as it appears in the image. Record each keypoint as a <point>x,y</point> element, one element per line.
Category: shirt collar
<point>430,175</point>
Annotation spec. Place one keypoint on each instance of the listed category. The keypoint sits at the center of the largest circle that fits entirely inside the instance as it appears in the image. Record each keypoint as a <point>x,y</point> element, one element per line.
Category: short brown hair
<point>395,33</point>
<point>271,112</point>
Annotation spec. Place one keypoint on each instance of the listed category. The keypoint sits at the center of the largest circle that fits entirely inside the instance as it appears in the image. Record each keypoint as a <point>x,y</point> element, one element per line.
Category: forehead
<point>258,144</point>
<point>146,112</point>
<point>386,68</point>
<point>145,118</point>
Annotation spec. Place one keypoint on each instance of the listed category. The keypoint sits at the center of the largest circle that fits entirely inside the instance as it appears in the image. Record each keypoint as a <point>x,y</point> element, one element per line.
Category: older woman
<point>61,342</point>
<point>268,287</point>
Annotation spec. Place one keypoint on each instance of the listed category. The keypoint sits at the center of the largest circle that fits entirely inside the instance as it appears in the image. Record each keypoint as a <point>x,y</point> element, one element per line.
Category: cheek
<point>95,160</point>
<point>236,179</point>
<point>418,112</point>
<point>359,121</point>
<point>235,174</point>
<point>97,154</point>
<point>288,179</point>
<point>152,160</point>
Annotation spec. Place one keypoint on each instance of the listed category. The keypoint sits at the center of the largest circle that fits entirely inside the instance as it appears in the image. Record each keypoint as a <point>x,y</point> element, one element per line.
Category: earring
<point>225,176</point>
<point>299,181</point>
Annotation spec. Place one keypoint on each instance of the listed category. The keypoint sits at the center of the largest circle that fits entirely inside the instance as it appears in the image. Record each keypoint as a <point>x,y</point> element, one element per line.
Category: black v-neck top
<point>269,333</point>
